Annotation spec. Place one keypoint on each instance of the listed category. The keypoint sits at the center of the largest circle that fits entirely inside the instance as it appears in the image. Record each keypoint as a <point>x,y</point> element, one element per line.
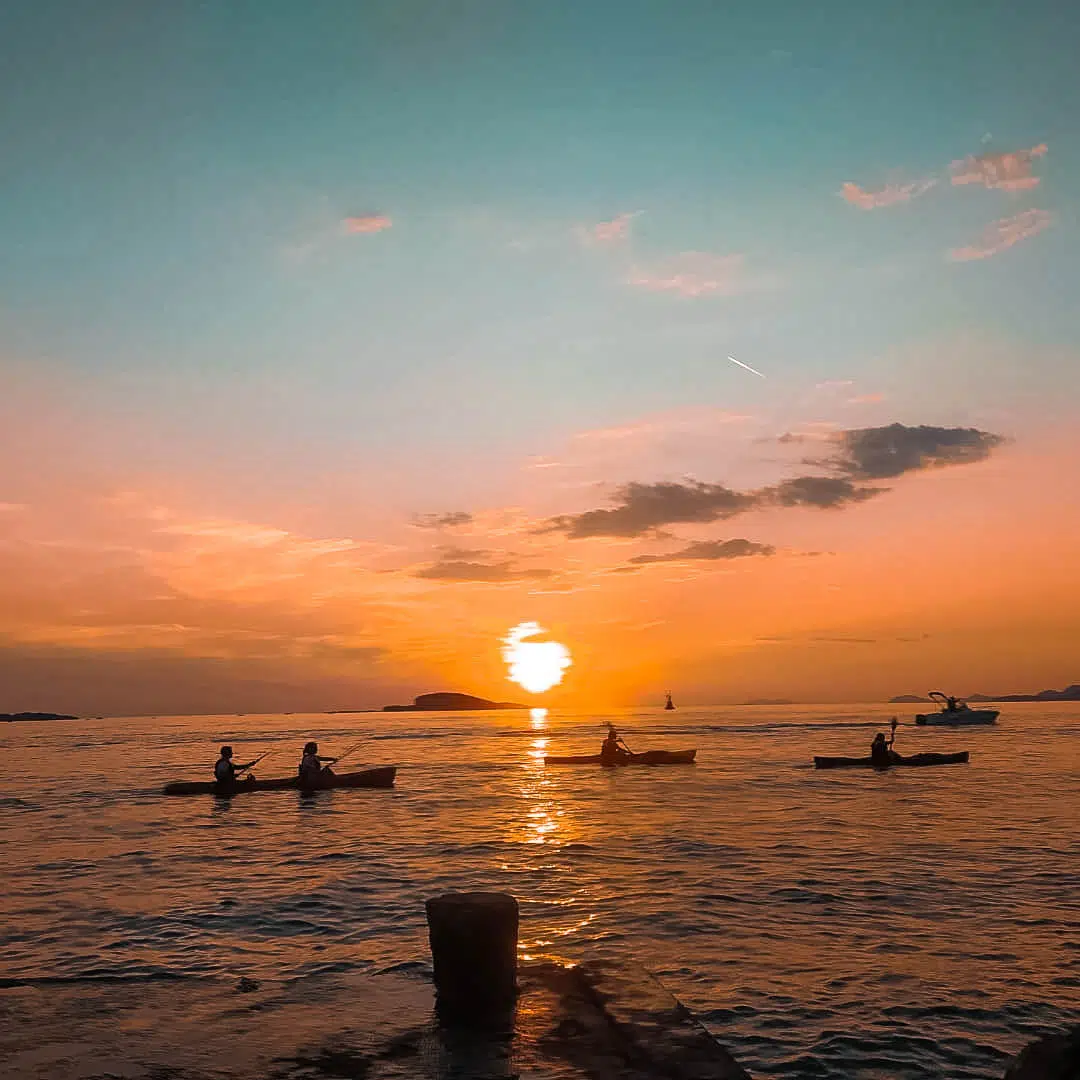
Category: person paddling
<point>881,752</point>
<point>225,771</point>
<point>613,748</point>
<point>313,769</point>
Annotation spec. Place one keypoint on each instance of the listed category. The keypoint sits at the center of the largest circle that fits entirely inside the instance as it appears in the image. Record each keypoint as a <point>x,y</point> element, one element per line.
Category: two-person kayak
<point>650,757</point>
<point>380,777</point>
<point>896,761</point>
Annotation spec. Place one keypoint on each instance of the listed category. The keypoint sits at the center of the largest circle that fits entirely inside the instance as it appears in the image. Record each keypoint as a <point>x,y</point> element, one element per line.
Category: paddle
<point>345,753</point>
<point>256,761</point>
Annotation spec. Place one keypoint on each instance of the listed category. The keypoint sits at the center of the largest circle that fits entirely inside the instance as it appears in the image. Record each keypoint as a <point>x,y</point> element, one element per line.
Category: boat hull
<point>381,777</point>
<point>651,757</point>
<point>960,718</point>
<point>911,761</point>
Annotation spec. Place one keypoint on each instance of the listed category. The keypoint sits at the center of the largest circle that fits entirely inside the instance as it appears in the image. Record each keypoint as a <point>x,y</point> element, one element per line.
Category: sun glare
<point>535,666</point>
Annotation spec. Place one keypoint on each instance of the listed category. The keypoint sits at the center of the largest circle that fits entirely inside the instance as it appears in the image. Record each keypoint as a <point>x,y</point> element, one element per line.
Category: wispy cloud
<point>366,223</point>
<point>1005,171</point>
<point>889,195</point>
<point>1003,234</point>
<point>463,570</point>
<point>693,274</point>
<point>708,550</point>
<point>452,520</point>
<point>615,231</point>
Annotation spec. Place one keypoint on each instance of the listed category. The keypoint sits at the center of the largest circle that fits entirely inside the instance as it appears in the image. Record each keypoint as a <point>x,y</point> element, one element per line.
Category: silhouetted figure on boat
<point>313,769</point>
<point>882,754</point>
<point>669,704</point>
<point>225,772</point>
<point>613,748</point>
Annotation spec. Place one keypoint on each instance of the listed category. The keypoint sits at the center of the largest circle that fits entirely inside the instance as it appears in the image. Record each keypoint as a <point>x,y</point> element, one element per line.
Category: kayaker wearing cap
<point>224,769</point>
<point>613,748</point>
<point>312,769</point>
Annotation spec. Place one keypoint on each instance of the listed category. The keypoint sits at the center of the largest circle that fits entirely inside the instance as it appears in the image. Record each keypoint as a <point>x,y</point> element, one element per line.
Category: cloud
<point>866,399</point>
<point>366,223</point>
<point>461,570</point>
<point>880,453</point>
<point>451,520</point>
<point>642,508</point>
<point>860,455</point>
<point>889,195</point>
<point>614,231</point>
<point>822,492</point>
<point>1003,234</point>
<point>1005,172</point>
<point>709,550</point>
<point>693,274</point>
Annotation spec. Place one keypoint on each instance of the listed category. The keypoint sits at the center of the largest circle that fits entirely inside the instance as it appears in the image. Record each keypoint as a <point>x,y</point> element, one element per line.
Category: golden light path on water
<point>546,822</point>
<point>535,666</point>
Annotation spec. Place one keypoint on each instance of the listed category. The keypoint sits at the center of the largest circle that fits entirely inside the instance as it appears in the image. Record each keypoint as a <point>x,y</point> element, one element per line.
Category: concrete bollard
<point>474,951</point>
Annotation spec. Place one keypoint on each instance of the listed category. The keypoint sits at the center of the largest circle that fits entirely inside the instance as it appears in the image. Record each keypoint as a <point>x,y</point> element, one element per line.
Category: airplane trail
<point>747,366</point>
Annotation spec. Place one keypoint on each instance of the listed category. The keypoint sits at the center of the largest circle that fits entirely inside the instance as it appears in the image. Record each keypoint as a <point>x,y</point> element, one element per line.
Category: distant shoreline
<point>13,717</point>
<point>452,702</point>
<point>1070,693</point>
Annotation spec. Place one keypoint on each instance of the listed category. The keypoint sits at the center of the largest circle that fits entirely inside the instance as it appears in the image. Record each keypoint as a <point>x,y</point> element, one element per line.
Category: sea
<point>909,924</point>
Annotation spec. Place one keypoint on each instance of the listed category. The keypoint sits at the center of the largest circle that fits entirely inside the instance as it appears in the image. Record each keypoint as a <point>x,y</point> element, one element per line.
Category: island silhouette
<point>448,702</point>
<point>1070,693</point>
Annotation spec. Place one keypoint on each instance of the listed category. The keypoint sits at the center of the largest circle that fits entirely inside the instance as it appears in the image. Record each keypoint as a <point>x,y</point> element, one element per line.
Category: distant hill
<point>11,716</point>
<point>769,701</point>
<point>1070,693</point>
<point>450,702</point>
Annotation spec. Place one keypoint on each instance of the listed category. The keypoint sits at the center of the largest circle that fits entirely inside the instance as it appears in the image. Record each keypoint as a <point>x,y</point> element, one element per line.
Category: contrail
<point>747,366</point>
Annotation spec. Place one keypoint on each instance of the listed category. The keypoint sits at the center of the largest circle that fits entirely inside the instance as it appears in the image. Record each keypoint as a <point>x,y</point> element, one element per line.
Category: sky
<point>337,340</point>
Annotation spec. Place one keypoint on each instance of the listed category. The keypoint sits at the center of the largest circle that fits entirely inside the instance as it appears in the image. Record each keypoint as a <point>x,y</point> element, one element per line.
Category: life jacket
<point>224,771</point>
<point>309,766</point>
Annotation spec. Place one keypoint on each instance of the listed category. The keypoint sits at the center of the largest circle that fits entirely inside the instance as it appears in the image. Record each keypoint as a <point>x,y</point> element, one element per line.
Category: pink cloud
<point>614,231</point>
<point>866,399</point>
<point>368,223</point>
<point>889,195</point>
<point>1006,172</point>
<point>1003,234</point>
<point>694,274</point>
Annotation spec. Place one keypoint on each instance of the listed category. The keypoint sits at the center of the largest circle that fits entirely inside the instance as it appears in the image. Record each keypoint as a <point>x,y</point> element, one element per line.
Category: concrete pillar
<point>474,951</point>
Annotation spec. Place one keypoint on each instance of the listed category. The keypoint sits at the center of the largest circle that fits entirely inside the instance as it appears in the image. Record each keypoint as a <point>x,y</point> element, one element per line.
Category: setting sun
<point>535,666</point>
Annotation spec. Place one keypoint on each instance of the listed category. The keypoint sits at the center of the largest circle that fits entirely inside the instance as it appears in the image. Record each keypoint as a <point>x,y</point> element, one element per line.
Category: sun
<point>535,666</point>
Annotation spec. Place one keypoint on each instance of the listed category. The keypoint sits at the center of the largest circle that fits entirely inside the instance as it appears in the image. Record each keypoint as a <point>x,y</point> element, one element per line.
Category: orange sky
<point>128,590</point>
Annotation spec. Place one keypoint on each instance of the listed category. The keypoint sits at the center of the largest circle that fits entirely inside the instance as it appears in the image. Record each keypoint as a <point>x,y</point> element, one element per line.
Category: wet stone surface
<point>603,1022</point>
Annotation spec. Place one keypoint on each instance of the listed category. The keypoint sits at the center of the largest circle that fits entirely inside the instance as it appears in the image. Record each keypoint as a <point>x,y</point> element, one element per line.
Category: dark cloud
<point>884,452</point>
<point>823,492</point>
<point>846,640</point>
<point>643,508</point>
<point>452,520</point>
<point>860,455</point>
<point>491,573</point>
<point>709,550</point>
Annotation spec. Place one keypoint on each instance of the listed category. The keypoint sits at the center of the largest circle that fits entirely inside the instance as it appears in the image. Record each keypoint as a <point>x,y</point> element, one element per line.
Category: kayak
<point>958,717</point>
<point>381,777</point>
<point>913,759</point>
<point>650,757</point>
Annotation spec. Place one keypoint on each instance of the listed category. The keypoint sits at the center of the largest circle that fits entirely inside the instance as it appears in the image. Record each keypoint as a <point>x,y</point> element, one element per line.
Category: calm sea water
<point>919,923</point>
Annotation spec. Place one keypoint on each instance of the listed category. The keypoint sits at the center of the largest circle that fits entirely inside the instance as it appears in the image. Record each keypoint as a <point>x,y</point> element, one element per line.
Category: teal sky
<point>174,174</point>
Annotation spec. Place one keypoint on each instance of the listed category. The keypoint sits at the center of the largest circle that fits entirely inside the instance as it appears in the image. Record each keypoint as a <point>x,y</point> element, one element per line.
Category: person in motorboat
<point>953,705</point>
<point>225,770</point>
<point>314,769</point>
<point>613,748</point>
<point>882,754</point>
